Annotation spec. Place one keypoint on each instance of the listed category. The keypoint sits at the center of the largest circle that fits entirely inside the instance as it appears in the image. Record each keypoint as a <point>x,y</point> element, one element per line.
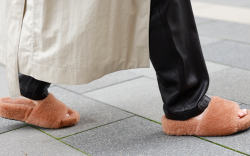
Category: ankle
<point>198,116</point>
<point>36,101</point>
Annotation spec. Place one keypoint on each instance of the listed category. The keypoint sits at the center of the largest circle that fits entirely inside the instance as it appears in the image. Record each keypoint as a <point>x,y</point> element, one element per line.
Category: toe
<point>245,111</point>
<point>242,113</point>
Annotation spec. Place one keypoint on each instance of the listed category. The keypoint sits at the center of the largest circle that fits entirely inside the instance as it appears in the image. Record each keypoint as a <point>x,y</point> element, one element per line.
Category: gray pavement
<point>121,112</point>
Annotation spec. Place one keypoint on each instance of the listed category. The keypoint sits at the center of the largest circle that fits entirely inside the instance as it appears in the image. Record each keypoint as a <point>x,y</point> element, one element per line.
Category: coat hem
<point>77,76</point>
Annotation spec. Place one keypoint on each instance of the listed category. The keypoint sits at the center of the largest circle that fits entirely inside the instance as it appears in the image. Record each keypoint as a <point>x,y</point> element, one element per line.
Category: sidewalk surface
<point>121,112</point>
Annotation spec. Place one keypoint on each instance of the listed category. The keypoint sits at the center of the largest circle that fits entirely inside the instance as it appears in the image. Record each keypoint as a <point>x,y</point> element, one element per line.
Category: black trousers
<point>176,55</point>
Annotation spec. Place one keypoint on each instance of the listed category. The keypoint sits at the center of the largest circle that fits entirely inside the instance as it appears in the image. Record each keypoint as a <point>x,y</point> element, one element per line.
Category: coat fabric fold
<point>72,42</point>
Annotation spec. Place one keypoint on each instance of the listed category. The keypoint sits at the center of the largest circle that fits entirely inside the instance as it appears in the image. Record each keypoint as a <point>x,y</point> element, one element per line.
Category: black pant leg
<point>32,88</point>
<point>176,55</point>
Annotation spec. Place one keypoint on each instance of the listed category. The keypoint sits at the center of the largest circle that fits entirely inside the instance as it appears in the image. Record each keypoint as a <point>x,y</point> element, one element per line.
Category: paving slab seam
<point>13,129</point>
<point>120,109</point>
<point>208,22</point>
<point>58,139</point>
<point>222,146</point>
<point>102,87</point>
<point>96,127</point>
<point>226,39</point>
<point>218,63</point>
<point>215,37</point>
<point>150,77</point>
<point>244,6</point>
<point>226,65</point>
<point>239,103</point>
<point>223,39</point>
<point>244,104</point>
<point>221,69</point>
<point>209,44</point>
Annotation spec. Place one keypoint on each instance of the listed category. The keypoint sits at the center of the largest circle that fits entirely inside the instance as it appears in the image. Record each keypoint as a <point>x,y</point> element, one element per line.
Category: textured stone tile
<point>136,136</point>
<point>29,141</point>
<point>226,30</point>
<point>238,141</point>
<point>149,72</point>
<point>4,92</point>
<point>229,53</point>
<point>232,84</point>
<point>105,81</point>
<point>215,67</point>
<point>208,40</point>
<point>7,125</point>
<point>140,96</point>
<point>92,113</point>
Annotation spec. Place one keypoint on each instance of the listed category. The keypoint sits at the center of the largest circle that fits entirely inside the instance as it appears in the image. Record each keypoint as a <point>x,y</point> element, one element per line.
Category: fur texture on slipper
<point>48,113</point>
<point>220,118</point>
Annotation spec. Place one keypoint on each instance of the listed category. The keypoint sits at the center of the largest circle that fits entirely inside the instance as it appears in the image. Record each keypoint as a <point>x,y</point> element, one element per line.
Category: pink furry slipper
<point>48,113</point>
<point>220,118</point>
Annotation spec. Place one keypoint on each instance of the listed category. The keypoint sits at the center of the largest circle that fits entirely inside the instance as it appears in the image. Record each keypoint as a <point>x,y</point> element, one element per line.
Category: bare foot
<point>242,113</point>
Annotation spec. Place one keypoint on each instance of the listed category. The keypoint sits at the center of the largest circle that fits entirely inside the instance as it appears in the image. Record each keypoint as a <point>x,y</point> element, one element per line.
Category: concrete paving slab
<point>226,30</point>
<point>197,5</point>
<point>222,12</point>
<point>92,113</point>
<point>200,20</point>
<point>208,40</point>
<point>140,96</point>
<point>29,141</point>
<point>136,136</point>
<point>238,141</point>
<point>149,72</point>
<point>215,67</point>
<point>232,84</point>
<point>4,92</point>
<point>7,125</point>
<point>240,3</point>
<point>228,53</point>
<point>105,81</point>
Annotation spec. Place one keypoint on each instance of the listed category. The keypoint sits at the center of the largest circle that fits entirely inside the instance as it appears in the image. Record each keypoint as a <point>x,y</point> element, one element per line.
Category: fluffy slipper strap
<point>51,113</point>
<point>220,118</point>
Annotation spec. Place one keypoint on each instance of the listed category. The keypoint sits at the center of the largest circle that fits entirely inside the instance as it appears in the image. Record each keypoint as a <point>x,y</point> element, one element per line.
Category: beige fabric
<point>72,41</point>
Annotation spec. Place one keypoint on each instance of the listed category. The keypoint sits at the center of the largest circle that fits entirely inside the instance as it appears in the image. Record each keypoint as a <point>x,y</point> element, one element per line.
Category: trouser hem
<point>30,95</point>
<point>203,104</point>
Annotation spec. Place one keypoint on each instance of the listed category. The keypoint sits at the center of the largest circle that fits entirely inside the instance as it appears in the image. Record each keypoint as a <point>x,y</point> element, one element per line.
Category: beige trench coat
<point>72,41</point>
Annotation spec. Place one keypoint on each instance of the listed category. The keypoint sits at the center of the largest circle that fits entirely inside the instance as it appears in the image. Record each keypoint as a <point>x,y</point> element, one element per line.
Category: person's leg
<point>32,88</point>
<point>176,55</point>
